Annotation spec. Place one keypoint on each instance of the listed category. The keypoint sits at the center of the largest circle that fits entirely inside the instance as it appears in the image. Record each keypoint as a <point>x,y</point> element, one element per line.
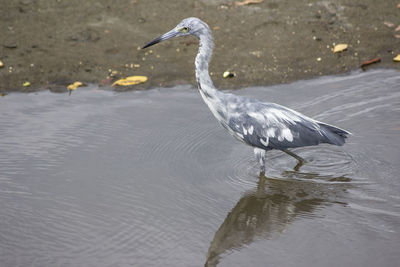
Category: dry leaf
<point>248,2</point>
<point>397,58</point>
<point>397,36</point>
<point>74,85</point>
<point>339,48</point>
<point>131,80</point>
<point>397,29</point>
<point>26,84</point>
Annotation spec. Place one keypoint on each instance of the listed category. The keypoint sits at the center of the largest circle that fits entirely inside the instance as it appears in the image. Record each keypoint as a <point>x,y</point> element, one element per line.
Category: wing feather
<point>271,126</point>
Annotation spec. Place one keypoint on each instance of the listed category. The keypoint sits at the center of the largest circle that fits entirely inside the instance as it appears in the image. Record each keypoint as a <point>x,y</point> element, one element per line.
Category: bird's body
<point>264,126</point>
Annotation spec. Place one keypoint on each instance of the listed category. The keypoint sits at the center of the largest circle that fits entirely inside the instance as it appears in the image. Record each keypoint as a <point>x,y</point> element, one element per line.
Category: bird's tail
<point>333,134</point>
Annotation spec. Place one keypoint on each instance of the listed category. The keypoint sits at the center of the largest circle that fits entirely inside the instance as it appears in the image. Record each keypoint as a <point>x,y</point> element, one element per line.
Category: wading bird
<point>264,126</point>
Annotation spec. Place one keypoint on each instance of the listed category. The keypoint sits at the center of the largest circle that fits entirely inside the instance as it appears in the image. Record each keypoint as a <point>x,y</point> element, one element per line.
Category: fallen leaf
<point>398,5</point>
<point>397,29</point>
<point>339,48</point>
<point>397,58</point>
<point>26,84</point>
<point>369,62</point>
<point>389,24</point>
<point>131,80</point>
<point>397,36</point>
<point>248,2</point>
<point>74,85</point>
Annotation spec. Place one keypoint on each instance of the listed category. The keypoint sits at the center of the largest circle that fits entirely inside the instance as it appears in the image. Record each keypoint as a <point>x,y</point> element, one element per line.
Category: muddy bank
<point>53,43</point>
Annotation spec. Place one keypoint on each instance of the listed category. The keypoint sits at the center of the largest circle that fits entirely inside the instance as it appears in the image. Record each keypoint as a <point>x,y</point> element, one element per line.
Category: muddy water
<point>149,178</point>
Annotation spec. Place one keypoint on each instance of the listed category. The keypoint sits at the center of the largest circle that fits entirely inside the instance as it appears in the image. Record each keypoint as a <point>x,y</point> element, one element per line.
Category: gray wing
<point>271,126</point>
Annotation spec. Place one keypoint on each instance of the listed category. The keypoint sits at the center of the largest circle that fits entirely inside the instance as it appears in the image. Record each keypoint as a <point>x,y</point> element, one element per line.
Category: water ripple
<point>148,178</point>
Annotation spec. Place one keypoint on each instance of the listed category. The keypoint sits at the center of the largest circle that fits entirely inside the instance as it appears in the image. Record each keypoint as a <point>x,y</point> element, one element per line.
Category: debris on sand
<point>131,80</point>
<point>339,48</point>
<point>248,2</point>
<point>389,24</point>
<point>75,85</point>
<point>228,74</point>
<point>369,62</point>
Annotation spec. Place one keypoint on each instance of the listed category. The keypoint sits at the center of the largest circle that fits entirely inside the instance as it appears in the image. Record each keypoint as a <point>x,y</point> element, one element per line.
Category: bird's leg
<point>300,160</point>
<point>260,156</point>
<point>293,155</point>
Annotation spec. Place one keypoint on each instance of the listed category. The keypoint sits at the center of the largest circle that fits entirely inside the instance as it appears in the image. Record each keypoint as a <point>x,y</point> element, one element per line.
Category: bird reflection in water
<point>271,207</point>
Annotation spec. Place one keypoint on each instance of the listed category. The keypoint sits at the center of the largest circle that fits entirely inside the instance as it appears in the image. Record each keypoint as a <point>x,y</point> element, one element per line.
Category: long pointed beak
<point>164,37</point>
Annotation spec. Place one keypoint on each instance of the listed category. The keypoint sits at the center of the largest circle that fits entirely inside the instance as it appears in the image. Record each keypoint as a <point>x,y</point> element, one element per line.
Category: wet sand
<point>54,43</point>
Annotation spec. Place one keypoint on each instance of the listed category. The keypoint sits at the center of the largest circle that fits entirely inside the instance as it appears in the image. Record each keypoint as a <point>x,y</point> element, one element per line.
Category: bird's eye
<point>184,29</point>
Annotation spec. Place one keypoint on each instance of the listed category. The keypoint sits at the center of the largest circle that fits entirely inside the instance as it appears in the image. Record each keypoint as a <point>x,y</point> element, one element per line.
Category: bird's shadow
<point>269,209</point>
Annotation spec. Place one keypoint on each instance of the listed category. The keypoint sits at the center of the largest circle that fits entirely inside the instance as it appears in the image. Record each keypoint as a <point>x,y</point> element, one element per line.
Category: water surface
<point>149,178</point>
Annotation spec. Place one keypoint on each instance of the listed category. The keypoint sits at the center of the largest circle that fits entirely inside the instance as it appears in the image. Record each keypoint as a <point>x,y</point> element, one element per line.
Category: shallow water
<point>149,178</point>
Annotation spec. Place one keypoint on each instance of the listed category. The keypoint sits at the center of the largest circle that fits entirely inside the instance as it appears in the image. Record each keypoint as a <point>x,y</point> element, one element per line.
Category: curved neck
<point>204,82</point>
<point>211,96</point>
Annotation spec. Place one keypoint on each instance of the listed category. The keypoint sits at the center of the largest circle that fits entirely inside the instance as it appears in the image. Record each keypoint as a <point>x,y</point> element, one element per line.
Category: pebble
<point>10,45</point>
<point>228,74</point>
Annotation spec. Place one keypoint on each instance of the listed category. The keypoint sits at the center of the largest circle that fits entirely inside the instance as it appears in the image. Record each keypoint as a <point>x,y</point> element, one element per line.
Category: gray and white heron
<point>264,126</point>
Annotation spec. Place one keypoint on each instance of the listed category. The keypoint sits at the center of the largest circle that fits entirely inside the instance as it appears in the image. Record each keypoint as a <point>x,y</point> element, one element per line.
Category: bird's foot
<point>300,160</point>
<point>298,165</point>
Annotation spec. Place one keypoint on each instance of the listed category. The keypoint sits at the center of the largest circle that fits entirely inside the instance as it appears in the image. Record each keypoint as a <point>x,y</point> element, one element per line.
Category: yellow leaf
<point>397,58</point>
<point>26,84</point>
<point>339,48</point>
<point>131,80</point>
<point>74,85</point>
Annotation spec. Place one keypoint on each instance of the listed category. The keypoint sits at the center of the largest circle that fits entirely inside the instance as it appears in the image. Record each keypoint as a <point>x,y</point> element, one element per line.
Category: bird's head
<point>189,26</point>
